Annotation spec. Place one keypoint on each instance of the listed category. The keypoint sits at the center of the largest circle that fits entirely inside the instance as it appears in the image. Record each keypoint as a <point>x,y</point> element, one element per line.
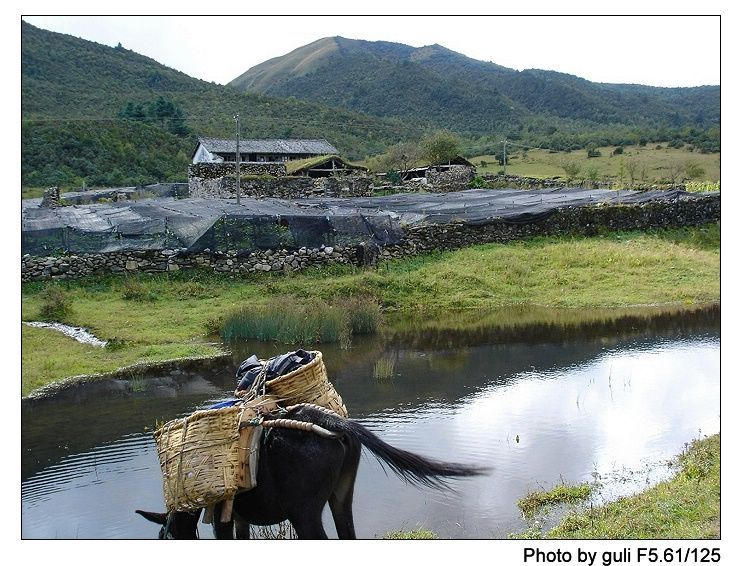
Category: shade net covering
<point>199,224</point>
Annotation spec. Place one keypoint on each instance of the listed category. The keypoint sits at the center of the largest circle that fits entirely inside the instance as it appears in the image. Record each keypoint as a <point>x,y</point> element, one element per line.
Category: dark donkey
<point>299,472</point>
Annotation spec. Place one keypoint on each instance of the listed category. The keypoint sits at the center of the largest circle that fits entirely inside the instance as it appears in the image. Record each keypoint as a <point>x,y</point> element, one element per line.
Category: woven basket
<point>205,457</point>
<point>308,384</point>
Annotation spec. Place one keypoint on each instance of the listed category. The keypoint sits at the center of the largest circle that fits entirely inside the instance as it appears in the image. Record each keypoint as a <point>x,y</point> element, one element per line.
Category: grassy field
<point>685,507</point>
<point>167,316</point>
<point>652,163</point>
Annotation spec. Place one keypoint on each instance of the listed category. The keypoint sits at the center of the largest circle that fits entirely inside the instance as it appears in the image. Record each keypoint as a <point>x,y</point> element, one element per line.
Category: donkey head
<point>175,524</point>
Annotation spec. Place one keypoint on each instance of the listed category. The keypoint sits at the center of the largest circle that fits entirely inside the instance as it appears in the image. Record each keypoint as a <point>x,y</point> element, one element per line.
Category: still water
<point>608,402</point>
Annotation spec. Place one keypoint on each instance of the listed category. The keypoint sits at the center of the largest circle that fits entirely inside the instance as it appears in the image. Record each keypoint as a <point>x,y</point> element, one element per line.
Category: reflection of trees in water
<point>436,367</point>
<point>551,325</point>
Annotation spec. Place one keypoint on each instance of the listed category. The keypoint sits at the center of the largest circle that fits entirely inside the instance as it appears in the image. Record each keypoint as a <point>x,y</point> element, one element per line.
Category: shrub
<point>571,168</point>
<point>56,304</point>
<point>135,290</point>
<point>694,170</point>
<point>591,173</point>
<point>618,150</point>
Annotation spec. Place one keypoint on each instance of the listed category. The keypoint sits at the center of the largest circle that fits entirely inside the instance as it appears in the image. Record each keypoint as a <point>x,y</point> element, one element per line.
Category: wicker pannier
<point>308,384</point>
<point>206,458</point>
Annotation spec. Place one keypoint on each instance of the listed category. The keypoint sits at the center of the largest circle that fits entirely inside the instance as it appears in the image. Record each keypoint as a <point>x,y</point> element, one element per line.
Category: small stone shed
<point>323,166</point>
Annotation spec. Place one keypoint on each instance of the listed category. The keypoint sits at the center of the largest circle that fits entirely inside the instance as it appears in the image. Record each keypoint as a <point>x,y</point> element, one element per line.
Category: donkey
<point>300,472</point>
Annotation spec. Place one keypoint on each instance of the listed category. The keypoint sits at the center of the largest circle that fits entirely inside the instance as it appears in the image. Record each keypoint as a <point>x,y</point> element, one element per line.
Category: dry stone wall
<point>418,239</point>
<point>456,178</point>
<point>218,181</point>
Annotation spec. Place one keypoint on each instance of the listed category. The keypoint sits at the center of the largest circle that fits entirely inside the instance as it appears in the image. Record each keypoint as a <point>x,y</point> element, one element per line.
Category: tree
<point>591,173</point>
<point>693,170</point>
<point>571,168</point>
<point>632,168</point>
<point>440,147</point>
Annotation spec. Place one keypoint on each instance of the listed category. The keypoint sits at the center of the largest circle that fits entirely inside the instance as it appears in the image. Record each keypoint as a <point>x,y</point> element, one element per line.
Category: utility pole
<point>504,156</point>
<point>237,158</point>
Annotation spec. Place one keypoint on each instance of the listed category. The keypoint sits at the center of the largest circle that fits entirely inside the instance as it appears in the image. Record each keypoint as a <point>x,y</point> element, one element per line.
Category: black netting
<point>221,225</point>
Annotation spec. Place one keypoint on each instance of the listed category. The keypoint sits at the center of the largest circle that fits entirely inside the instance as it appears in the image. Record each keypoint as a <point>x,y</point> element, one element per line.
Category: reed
<point>289,321</point>
<point>384,367</point>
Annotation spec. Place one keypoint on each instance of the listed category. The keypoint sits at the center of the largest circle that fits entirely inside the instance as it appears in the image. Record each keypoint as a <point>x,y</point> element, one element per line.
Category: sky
<point>652,50</point>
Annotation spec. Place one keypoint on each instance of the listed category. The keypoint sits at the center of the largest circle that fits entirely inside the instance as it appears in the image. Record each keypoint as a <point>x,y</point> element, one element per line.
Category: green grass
<point>685,507</point>
<point>417,534</point>
<point>561,493</point>
<point>657,164</point>
<point>48,356</point>
<point>156,316</point>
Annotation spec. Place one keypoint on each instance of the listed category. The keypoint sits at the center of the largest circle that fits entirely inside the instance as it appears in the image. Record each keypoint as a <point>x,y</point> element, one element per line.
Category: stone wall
<point>456,178</point>
<point>72,266</point>
<point>272,186</point>
<point>418,239</point>
<point>216,170</point>
<point>518,182</point>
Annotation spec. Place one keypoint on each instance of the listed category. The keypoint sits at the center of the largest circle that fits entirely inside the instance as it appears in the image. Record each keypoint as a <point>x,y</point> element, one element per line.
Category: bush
<point>56,304</point>
<point>571,168</point>
<point>135,290</point>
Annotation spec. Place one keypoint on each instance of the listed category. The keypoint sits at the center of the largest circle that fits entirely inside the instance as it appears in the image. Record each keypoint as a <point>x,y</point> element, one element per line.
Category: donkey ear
<point>159,518</point>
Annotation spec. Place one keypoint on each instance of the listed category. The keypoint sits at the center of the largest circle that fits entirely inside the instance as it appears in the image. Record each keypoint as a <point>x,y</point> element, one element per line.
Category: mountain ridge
<point>419,80</point>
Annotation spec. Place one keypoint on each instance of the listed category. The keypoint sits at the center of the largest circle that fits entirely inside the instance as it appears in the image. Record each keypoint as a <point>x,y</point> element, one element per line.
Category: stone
<point>131,265</point>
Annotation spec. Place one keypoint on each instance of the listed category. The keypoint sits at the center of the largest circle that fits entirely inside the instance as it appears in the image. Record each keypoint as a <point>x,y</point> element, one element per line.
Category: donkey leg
<point>222,531</point>
<point>341,499</point>
<point>308,526</point>
<point>241,530</point>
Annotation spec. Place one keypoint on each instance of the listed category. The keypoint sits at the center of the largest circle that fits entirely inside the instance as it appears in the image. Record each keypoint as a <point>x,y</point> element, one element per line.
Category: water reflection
<point>538,407</point>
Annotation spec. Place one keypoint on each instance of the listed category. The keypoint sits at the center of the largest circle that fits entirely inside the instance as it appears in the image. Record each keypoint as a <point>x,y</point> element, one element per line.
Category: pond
<point>566,400</point>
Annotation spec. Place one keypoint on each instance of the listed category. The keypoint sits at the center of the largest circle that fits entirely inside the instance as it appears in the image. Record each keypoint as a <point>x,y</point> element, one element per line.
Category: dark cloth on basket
<point>274,367</point>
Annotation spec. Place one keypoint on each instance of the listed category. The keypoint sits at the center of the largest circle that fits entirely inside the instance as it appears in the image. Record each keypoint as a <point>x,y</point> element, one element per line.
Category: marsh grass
<point>561,493</point>
<point>416,534</point>
<point>384,367</point>
<point>688,506</point>
<point>289,321</point>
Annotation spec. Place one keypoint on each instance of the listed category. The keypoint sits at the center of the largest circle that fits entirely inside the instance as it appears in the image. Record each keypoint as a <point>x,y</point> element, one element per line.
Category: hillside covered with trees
<point>105,116</point>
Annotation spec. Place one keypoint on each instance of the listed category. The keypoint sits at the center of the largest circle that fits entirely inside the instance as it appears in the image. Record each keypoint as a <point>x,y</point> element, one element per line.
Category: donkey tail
<point>413,468</point>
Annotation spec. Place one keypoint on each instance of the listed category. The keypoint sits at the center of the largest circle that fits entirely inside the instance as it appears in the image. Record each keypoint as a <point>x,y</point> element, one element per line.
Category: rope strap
<point>300,425</point>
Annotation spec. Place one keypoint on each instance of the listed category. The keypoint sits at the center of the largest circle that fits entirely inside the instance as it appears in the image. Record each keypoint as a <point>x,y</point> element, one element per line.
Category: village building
<point>422,173</point>
<point>322,166</point>
<point>213,150</point>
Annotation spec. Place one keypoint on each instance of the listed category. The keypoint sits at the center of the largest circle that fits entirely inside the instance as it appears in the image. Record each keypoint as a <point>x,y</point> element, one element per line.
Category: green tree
<point>693,170</point>
<point>440,147</point>
<point>571,168</point>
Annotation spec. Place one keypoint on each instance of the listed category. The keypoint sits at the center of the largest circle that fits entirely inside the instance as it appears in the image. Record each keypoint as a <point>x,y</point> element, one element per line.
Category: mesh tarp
<point>221,225</point>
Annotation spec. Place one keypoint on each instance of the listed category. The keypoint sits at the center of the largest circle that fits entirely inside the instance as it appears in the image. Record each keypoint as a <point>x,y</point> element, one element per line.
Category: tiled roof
<point>319,147</point>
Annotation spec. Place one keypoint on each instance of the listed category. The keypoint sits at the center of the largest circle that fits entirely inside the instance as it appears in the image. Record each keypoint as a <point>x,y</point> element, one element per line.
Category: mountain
<point>109,116</point>
<point>471,97</point>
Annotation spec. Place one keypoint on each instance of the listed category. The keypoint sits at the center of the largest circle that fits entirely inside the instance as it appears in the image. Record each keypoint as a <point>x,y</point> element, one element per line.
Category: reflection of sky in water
<point>616,411</point>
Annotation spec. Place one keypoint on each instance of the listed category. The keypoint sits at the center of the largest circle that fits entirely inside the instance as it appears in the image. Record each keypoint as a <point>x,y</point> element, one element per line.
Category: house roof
<point>297,165</point>
<point>320,147</point>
